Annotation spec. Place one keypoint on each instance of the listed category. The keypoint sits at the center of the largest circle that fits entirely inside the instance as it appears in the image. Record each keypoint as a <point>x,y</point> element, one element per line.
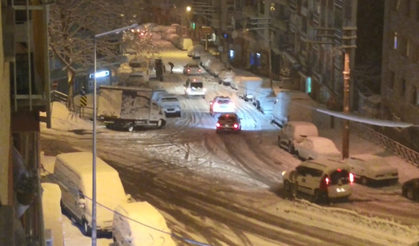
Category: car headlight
<point>283,173</point>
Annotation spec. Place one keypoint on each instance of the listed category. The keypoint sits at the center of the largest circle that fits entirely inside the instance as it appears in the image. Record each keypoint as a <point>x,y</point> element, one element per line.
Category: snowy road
<point>219,188</point>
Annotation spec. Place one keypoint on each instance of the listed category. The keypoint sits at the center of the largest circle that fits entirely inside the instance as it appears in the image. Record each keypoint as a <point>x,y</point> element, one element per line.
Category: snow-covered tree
<point>143,44</point>
<point>71,29</point>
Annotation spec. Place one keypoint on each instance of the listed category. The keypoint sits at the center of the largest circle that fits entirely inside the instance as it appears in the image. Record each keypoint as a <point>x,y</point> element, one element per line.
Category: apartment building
<point>24,74</point>
<point>400,68</point>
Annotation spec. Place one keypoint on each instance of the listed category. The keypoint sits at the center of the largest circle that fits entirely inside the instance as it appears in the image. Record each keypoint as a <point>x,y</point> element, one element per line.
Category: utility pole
<point>345,130</point>
<point>270,59</point>
<point>223,29</point>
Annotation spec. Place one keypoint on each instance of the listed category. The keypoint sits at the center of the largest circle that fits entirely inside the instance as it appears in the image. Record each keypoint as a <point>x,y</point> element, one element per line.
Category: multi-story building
<point>319,32</point>
<point>25,92</point>
<point>400,68</point>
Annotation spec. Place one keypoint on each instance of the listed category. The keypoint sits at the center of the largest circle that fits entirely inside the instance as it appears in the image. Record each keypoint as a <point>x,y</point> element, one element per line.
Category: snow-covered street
<point>226,189</point>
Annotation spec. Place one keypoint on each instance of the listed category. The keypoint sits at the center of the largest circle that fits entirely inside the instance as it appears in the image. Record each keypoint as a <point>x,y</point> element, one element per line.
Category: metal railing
<point>57,96</point>
<point>396,148</point>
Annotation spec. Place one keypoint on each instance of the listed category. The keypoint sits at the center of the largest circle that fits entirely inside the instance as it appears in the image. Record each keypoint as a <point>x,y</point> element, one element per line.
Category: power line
<point>133,220</point>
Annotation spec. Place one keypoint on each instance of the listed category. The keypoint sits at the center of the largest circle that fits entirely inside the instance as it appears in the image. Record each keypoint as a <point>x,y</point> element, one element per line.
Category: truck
<point>292,105</point>
<point>129,107</point>
<point>264,99</point>
<point>248,86</point>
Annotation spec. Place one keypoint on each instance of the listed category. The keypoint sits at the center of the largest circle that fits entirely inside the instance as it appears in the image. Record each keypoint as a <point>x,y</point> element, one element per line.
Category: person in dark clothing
<point>171,67</point>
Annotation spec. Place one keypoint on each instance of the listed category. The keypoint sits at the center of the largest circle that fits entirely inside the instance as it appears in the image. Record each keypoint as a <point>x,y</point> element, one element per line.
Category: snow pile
<point>47,163</point>
<point>51,197</point>
<point>63,119</point>
<point>347,222</point>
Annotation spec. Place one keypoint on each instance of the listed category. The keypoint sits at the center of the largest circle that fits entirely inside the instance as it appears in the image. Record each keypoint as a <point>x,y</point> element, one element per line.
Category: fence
<point>57,96</point>
<point>386,142</point>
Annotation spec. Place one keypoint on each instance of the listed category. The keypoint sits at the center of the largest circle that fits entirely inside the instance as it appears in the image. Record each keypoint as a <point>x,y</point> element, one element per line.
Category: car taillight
<point>235,126</point>
<point>351,177</point>
<point>199,70</point>
<point>217,125</point>
<point>189,70</point>
<point>327,181</point>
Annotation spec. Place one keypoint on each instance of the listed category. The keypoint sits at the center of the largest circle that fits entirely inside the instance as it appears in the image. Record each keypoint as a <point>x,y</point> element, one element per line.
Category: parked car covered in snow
<point>410,189</point>
<point>311,148</point>
<point>208,61</point>
<point>205,57</point>
<point>264,99</point>
<point>170,105</point>
<point>129,226</point>
<point>324,179</point>
<point>295,131</point>
<point>215,68</point>
<point>74,173</point>
<point>226,76</point>
<point>196,51</point>
<point>372,168</point>
<point>235,82</point>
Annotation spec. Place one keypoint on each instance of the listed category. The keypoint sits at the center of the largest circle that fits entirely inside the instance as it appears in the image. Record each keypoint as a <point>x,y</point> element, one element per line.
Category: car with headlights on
<point>324,179</point>
<point>311,148</point>
<point>410,189</point>
<point>228,123</point>
<point>369,168</point>
<point>220,105</point>
<point>195,87</point>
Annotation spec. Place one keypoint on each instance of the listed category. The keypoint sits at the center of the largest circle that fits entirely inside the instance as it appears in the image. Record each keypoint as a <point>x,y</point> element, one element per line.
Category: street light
<point>116,31</point>
<point>188,8</point>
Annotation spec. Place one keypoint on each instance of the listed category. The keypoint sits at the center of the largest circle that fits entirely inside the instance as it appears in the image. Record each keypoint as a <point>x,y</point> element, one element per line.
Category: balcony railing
<point>293,5</point>
<point>315,18</point>
<point>339,3</point>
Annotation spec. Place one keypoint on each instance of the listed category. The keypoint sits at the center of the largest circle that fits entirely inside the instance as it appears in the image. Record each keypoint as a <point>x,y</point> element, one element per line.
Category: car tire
<point>364,180</point>
<point>87,230</point>
<point>320,197</point>
<point>287,185</point>
<point>161,123</point>
<point>291,148</point>
<point>410,193</point>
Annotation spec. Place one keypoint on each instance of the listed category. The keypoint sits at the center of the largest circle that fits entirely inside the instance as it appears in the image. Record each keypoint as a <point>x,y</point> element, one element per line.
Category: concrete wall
<point>4,123</point>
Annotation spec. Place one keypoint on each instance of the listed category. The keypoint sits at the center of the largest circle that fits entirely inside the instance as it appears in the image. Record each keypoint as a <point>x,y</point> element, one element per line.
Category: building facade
<point>400,68</point>
<point>25,93</point>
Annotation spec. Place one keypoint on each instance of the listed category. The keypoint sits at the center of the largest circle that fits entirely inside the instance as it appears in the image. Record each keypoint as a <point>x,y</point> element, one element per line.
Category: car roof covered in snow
<point>318,140</point>
<point>81,163</point>
<point>142,212</point>
<point>326,164</point>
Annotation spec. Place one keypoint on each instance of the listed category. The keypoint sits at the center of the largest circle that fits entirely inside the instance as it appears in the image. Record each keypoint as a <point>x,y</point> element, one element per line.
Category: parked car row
<point>324,175</point>
<point>117,212</point>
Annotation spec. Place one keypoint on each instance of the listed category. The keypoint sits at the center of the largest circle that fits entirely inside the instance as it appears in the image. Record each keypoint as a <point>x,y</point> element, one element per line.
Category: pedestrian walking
<point>171,67</point>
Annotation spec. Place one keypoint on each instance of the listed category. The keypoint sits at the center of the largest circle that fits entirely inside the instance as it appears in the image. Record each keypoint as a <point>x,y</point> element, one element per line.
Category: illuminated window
<point>272,8</point>
<point>395,40</point>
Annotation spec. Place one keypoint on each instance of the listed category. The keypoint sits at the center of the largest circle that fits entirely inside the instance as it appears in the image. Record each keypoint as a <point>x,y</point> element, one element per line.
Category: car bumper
<point>228,129</point>
<point>339,191</point>
<point>195,94</point>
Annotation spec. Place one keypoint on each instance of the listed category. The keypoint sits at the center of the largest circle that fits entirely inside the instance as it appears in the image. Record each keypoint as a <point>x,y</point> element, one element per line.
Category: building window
<point>394,40</point>
<point>395,4</point>
<point>391,79</point>
<point>407,7</point>
<point>403,87</point>
<point>415,96</point>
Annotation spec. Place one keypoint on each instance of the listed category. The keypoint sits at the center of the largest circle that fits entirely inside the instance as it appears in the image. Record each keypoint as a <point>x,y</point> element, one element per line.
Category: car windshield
<point>223,101</point>
<point>193,66</point>
<point>197,84</point>
<point>227,118</point>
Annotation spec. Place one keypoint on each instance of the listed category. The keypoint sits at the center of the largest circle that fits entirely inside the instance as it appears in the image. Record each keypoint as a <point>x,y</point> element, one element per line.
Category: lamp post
<point>116,31</point>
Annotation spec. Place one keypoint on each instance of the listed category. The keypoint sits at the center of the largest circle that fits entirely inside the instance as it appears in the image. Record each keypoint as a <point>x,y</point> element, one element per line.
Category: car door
<point>301,179</point>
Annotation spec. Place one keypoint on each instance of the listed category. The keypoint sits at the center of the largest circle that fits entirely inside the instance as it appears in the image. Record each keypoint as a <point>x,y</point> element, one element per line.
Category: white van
<point>138,224</point>
<point>74,174</point>
<point>292,106</point>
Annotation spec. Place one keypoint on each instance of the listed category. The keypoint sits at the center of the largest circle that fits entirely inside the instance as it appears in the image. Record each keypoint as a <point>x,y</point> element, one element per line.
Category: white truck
<point>248,86</point>
<point>292,106</point>
<point>128,107</point>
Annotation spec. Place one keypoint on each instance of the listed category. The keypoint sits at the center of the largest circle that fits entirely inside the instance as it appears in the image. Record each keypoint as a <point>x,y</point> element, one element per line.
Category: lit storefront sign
<point>100,74</point>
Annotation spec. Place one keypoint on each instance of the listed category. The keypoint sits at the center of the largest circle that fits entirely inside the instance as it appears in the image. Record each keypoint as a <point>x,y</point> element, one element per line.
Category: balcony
<point>293,5</point>
<point>339,4</point>
<point>315,18</point>
<point>25,48</point>
<point>304,11</point>
<point>280,24</point>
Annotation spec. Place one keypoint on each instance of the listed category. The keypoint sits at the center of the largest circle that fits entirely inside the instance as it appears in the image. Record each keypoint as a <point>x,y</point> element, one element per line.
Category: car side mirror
<point>82,203</point>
